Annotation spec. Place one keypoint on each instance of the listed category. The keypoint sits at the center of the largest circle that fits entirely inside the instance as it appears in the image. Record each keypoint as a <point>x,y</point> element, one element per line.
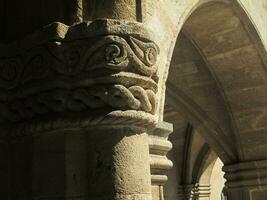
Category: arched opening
<point>217,83</point>
<point>197,170</point>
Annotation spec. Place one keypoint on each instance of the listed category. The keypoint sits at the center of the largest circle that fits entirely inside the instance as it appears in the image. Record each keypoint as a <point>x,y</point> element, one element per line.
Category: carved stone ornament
<point>105,68</point>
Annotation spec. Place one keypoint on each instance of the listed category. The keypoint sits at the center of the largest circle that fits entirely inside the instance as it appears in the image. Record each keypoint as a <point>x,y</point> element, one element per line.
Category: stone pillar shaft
<point>97,163</point>
<point>116,9</point>
<point>118,164</point>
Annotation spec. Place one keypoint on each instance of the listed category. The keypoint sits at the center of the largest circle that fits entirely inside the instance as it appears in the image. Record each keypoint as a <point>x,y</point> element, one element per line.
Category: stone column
<point>118,164</point>
<point>247,180</point>
<point>159,146</point>
<point>59,165</point>
<point>116,9</point>
<point>84,97</point>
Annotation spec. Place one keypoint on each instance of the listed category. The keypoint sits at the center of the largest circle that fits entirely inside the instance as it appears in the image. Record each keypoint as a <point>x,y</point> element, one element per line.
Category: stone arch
<point>224,95</point>
<point>208,174</point>
<point>194,163</point>
<point>204,164</point>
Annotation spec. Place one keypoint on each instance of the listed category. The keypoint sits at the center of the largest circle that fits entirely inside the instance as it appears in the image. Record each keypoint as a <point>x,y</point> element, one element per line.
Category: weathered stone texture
<point>82,98</point>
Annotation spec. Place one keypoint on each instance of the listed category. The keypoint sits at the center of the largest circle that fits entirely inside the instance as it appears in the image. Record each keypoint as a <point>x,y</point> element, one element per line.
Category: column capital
<point>246,175</point>
<point>97,73</point>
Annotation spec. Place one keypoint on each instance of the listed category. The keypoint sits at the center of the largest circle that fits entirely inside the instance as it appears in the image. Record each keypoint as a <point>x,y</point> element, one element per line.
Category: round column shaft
<point>115,9</point>
<point>118,164</point>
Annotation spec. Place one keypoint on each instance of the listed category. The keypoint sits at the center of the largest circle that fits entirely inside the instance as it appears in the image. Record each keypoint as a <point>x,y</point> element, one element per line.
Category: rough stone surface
<point>82,98</point>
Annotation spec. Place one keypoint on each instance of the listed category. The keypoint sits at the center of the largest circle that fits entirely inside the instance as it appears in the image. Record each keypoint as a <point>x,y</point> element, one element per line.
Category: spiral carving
<point>151,56</point>
<point>8,71</point>
<point>113,54</point>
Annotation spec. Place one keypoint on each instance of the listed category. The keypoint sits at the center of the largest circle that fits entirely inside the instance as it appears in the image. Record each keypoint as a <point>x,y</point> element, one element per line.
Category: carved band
<point>60,100</point>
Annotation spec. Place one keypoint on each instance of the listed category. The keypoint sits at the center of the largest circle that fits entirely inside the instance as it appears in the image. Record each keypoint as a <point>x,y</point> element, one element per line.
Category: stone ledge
<point>35,128</point>
<point>246,175</point>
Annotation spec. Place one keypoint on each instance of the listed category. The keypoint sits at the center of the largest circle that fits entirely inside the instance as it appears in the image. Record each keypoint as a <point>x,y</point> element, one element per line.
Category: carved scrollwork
<point>8,71</point>
<point>66,57</point>
<point>34,69</point>
<point>115,55</point>
<point>123,54</point>
<point>111,72</point>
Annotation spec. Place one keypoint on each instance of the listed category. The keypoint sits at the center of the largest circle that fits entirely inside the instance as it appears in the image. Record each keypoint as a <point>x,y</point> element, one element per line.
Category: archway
<point>217,82</point>
<point>197,170</point>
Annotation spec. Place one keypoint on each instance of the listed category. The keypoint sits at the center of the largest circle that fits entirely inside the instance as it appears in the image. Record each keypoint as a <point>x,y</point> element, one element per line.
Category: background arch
<point>220,88</point>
